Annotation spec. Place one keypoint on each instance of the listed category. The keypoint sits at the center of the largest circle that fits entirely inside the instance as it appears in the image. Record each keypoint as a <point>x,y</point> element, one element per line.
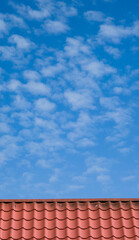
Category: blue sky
<point>69,99</point>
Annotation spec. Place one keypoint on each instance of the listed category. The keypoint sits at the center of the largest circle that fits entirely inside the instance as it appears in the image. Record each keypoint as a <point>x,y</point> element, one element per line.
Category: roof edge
<point>71,200</point>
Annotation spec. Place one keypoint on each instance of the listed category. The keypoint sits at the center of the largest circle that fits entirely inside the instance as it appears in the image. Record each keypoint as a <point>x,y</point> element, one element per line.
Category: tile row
<point>67,223</point>
<point>51,206</point>
<point>77,233</point>
<point>68,238</point>
<point>94,215</point>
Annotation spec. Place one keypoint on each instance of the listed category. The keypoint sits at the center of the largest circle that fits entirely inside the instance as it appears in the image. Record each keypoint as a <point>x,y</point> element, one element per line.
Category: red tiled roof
<point>70,219</point>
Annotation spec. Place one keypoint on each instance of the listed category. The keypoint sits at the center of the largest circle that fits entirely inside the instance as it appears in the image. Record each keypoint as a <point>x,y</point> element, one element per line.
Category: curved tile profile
<point>87,219</point>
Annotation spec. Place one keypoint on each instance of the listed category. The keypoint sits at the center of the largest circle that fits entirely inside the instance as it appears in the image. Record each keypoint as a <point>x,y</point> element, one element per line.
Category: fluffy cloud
<point>21,102</point>
<point>7,53</point>
<point>67,11</point>
<point>37,88</point>
<point>21,42</point>
<point>80,130</point>
<point>63,99</point>
<point>44,163</point>
<point>44,105</point>
<point>109,103</point>
<point>120,116</point>
<point>9,21</point>
<point>13,54</point>
<point>104,179</point>
<point>55,175</point>
<point>36,14</point>
<point>3,27</point>
<point>98,68</point>
<point>96,167</point>
<point>55,27</point>
<point>75,46</point>
<point>94,16</point>
<point>114,33</point>
<point>115,52</point>
<point>4,128</point>
<point>79,100</point>
<point>31,75</point>
<point>52,70</point>
<point>13,85</point>
<point>128,178</point>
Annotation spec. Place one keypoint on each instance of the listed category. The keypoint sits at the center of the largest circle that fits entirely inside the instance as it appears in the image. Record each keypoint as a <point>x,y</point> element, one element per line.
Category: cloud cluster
<point>115,33</point>
<point>68,95</point>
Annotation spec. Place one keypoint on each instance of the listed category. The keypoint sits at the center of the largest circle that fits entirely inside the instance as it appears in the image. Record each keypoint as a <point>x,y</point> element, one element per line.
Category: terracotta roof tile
<point>69,219</point>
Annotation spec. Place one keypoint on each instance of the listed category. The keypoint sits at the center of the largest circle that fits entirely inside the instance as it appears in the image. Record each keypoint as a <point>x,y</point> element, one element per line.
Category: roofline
<point>72,200</point>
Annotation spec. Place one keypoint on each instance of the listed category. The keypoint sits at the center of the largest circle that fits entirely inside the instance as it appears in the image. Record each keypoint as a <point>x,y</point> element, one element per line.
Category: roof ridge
<point>72,200</point>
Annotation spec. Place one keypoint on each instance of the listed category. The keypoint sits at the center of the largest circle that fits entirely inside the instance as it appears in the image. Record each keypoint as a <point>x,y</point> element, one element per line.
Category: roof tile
<point>69,219</point>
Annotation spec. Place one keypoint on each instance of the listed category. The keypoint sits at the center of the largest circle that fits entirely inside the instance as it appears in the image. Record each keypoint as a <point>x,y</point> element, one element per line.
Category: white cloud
<point>37,14</point>
<point>135,86</point>
<point>20,102</point>
<point>67,11</point>
<point>135,72</point>
<point>42,104</point>
<point>135,29</point>
<point>14,85</point>
<point>80,129</point>
<point>31,75</point>
<point>13,54</point>
<point>109,102</point>
<point>55,176</point>
<point>103,179</point>
<point>85,142</point>
<point>79,100</point>
<point>9,147</point>
<point>3,157</point>
<point>114,33</point>
<point>21,42</point>
<point>74,46</point>
<point>118,90</point>
<point>81,123</point>
<point>115,52</point>
<point>98,68</point>
<point>44,163</point>
<point>75,187</point>
<point>128,178</point>
<point>97,167</point>
<point>7,53</point>
<point>121,116</point>
<point>46,131</point>
<point>135,49</point>
<point>46,124</point>
<point>28,176</point>
<point>94,16</point>
<point>15,21</point>
<point>56,27</point>
<point>3,27</point>
<point>37,88</point>
<point>4,128</point>
<point>125,150</point>
<point>52,70</point>
<point>11,21</point>
<point>43,11</point>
